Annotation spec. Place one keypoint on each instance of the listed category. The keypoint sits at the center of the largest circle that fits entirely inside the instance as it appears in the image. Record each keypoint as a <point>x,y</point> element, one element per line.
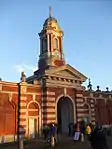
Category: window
<point>55,43</point>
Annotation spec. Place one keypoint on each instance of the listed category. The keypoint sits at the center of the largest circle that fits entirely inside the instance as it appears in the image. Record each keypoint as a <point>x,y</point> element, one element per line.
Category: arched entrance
<point>65,113</point>
<point>33,119</point>
<point>87,113</point>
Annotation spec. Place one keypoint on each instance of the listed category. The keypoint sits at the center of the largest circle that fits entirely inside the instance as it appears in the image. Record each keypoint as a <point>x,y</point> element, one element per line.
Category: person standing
<point>77,133</point>
<point>88,131</point>
<point>98,139</point>
<point>54,132</point>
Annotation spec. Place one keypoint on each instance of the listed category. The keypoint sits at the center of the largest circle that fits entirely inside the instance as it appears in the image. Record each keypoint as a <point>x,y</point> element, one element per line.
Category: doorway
<point>32,127</point>
<point>33,120</point>
<point>65,113</point>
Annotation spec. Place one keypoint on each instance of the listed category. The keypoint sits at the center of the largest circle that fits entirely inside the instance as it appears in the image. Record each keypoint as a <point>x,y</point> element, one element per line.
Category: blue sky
<point>87,27</point>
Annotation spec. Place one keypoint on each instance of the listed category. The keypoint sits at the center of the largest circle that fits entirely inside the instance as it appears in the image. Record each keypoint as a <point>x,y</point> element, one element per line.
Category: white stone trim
<point>49,110</point>
<point>22,104</point>
<point>79,95</point>
<point>92,105</point>
<point>110,97</point>
<point>33,117</point>
<point>32,109</point>
<point>22,123</point>
<point>92,101</point>
<point>92,110</point>
<point>23,89</point>
<point>50,93</point>
<point>79,105</point>
<point>0,87</point>
<point>22,116</point>
<point>38,116</point>
<point>79,119</point>
<point>65,91</point>
<point>51,99</point>
<point>34,97</point>
<point>81,114</point>
<point>79,100</point>
<point>10,97</point>
<point>91,95</point>
<point>27,93</point>
<point>23,98</point>
<point>22,110</point>
<point>100,96</point>
<point>49,116</point>
<point>49,104</point>
<point>80,110</point>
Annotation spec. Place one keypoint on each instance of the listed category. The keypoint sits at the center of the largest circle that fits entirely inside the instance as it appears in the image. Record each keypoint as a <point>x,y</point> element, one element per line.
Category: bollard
<point>52,141</point>
<point>21,144</point>
<point>2,140</point>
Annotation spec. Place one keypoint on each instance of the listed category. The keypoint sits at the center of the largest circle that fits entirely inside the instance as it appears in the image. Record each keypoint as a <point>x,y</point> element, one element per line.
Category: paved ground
<point>63,143</point>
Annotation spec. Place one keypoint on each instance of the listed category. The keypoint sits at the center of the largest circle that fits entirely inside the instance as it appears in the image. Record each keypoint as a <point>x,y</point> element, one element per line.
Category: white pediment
<point>66,71</point>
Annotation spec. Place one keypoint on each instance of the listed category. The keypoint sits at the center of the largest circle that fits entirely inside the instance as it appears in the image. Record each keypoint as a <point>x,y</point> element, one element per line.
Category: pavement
<point>64,142</point>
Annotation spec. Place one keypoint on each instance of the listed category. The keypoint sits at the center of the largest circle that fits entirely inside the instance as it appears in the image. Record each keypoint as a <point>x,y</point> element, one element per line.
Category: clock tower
<point>51,44</point>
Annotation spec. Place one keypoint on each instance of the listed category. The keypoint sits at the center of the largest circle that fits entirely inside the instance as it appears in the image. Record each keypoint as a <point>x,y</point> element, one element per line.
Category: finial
<point>107,89</point>
<point>89,85</point>
<point>98,88</point>
<point>50,11</point>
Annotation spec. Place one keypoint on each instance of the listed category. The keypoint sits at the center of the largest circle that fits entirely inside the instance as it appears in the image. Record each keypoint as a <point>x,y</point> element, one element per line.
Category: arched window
<point>55,43</point>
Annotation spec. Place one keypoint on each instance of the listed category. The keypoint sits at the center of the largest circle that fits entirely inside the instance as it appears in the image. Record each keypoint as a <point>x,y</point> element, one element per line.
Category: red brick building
<point>53,94</point>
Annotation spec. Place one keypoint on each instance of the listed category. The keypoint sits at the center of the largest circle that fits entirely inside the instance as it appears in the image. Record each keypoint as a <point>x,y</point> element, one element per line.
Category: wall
<point>102,105</point>
<point>23,95</point>
<point>41,104</point>
<point>8,110</point>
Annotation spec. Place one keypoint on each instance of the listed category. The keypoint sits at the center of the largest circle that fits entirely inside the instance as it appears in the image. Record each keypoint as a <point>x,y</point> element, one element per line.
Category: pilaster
<point>22,109</point>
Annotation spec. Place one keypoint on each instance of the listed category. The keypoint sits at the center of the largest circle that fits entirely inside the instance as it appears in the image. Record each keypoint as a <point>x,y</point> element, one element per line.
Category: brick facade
<point>33,101</point>
<point>27,106</point>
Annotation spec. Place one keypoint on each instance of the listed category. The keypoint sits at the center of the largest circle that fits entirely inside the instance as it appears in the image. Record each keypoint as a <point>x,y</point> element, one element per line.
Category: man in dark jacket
<point>98,139</point>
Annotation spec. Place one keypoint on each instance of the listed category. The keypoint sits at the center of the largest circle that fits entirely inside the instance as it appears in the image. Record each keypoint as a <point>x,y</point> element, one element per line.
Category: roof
<point>49,19</point>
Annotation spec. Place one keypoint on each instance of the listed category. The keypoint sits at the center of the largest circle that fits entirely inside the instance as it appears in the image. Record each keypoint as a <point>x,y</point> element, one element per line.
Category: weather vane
<point>50,11</point>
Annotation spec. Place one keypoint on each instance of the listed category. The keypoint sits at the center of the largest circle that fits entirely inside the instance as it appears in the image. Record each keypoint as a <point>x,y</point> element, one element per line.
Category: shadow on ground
<point>63,143</point>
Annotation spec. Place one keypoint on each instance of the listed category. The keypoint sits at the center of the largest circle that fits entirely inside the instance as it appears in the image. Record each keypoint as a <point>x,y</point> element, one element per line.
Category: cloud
<point>24,67</point>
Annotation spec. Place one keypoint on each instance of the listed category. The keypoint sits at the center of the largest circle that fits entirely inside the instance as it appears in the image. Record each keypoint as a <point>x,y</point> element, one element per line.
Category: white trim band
<point>79,100</point>
<point>22,116</point>
<point>22,123</point>
<point>22,104</point>
<point>48,110</point>
<point>79,95</point>
<point>51,99</point>
<point>50,93</point>
<point>49,116</point>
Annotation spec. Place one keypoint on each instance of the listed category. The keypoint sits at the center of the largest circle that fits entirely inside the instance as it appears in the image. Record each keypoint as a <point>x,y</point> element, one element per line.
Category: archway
<point>65,113</point>
<point>33,119</point>
<point>86,112</point>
